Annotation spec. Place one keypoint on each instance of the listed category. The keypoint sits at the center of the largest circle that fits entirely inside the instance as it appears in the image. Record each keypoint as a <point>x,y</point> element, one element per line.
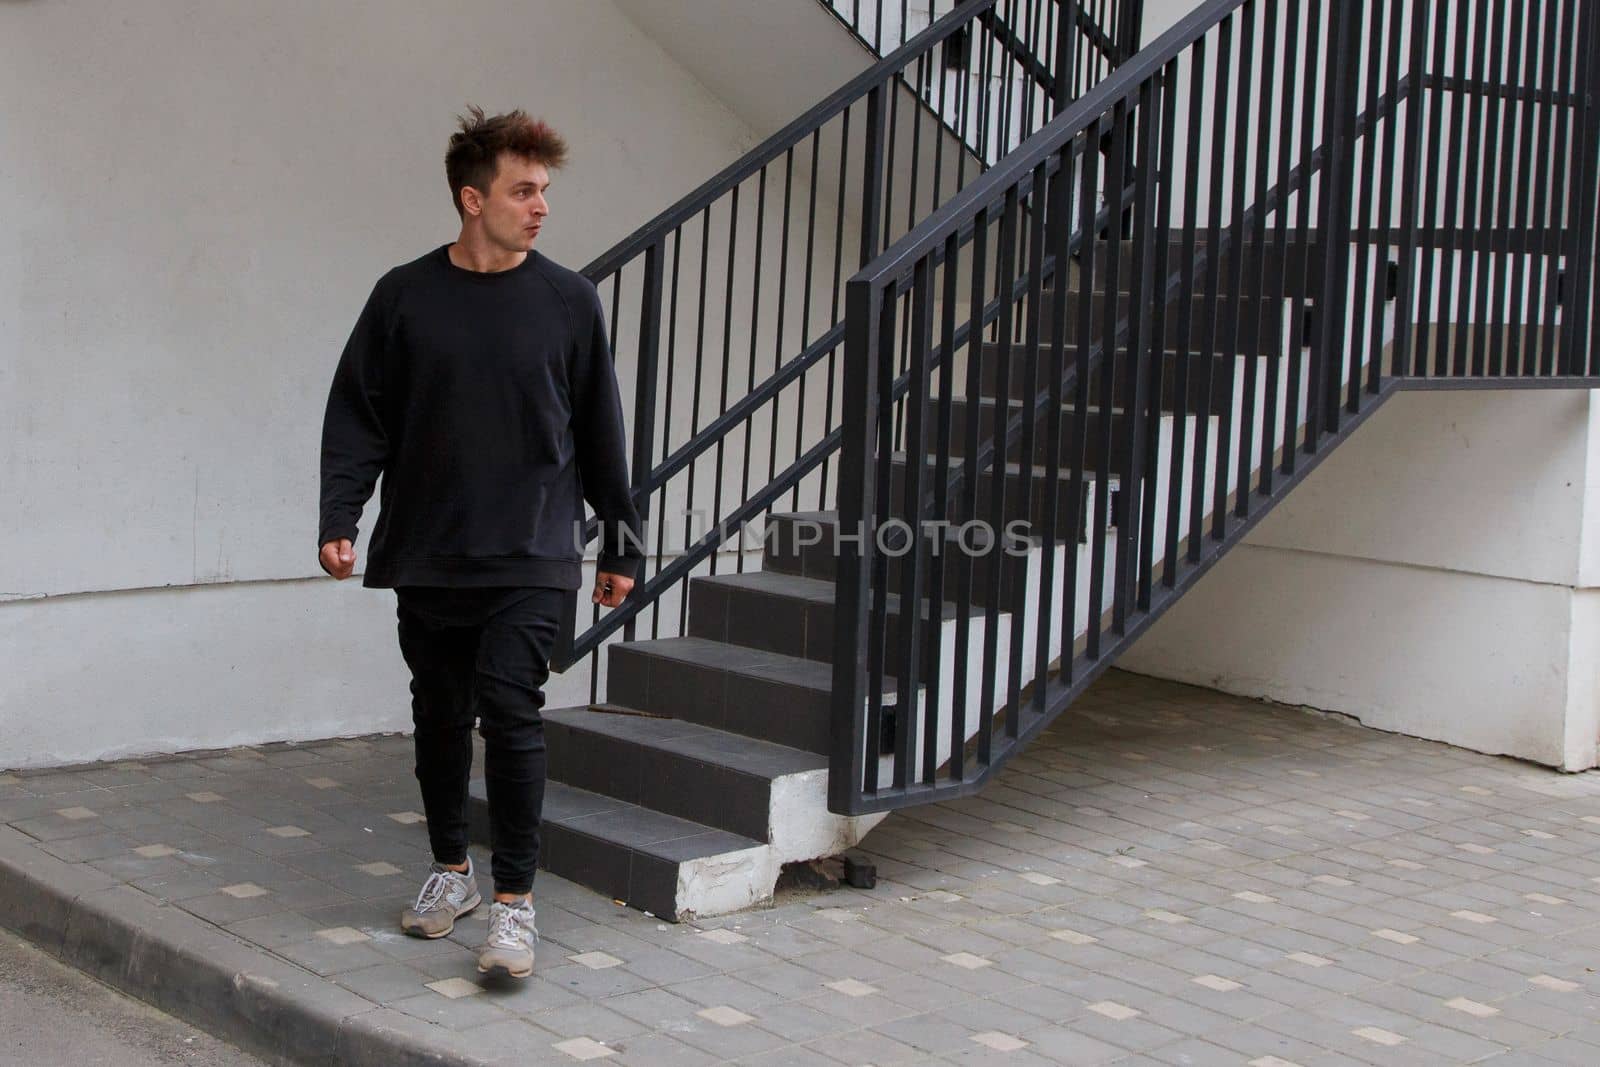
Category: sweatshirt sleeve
<point>354,444</point>
<point>601,443</point>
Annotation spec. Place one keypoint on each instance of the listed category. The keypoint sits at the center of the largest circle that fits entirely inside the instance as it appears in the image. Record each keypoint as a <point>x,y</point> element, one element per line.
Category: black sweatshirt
<point>489,404</point>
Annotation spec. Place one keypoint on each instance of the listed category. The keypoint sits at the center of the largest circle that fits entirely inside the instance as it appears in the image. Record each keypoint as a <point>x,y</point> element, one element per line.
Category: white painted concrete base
<point>1472,660</point>
<point>800,827</point>
<point>1432,578</point>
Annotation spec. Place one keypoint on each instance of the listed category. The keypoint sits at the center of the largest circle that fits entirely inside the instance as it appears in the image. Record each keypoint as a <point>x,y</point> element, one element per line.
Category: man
<point>479,382</point>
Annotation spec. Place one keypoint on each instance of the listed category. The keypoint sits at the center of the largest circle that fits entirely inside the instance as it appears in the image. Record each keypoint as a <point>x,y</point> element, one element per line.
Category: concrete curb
<point>189,969</point>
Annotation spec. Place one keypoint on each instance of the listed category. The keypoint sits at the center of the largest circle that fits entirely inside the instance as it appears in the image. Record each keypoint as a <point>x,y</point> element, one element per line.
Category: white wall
<point>1427,578</point>
<point>196,199</point>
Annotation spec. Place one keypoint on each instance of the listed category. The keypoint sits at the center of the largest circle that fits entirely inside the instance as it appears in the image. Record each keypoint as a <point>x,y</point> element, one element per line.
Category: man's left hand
<point>610,589</point>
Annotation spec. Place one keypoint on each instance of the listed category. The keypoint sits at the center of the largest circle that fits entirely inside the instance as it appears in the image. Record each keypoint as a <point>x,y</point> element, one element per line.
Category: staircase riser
<point>611,869</point>
<point>667,782</point>
<point>1025,499</point>
<point>755,707</point>
<point>1019,386</point>
<point>1258,331</point>
<point>1066,451</point>
<point>790,625</point>
<point>1288,262</point>
<point>990,569</point>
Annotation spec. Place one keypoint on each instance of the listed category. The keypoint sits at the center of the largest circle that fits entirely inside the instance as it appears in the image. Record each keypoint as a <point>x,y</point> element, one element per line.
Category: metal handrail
<point>792,134</point>
<point>921,70</point>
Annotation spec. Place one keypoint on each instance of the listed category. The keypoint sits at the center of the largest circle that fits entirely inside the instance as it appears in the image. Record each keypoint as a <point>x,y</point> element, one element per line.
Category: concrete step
<point>1287,261</point>
<point>992,414</point>
<point>752,692</point>
<point>1019,386</point>
<point>650,860</point>
<point>791,552</point>
<point>1244,325</point>
<point>788,613</point>
<point>1027,492</point>
<point>678,768</point>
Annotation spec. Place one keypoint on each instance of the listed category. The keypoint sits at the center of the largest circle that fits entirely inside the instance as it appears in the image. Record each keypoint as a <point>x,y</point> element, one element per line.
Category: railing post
<point>1333,220</point>
<point>852,591</point>
<point>872,177</point>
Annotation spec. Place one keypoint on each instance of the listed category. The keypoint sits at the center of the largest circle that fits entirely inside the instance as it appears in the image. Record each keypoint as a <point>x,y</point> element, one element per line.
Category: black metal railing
<point>1020,38</point>
<point>1323,202</point>
<point>725,311</point>
<point>1109,26</point>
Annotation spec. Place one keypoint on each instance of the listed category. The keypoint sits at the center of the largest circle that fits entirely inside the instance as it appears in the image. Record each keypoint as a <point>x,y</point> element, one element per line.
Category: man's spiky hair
<point>473,157</point>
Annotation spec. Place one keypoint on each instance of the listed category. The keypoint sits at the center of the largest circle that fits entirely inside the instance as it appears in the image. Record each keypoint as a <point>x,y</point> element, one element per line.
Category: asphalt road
<point>52,1014</point>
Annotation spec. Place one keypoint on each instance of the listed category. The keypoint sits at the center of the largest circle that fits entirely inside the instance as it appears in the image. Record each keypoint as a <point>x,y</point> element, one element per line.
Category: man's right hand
<point>338,558</point>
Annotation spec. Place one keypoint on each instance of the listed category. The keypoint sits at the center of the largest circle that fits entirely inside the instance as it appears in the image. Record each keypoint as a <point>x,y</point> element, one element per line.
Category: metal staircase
<point>1048,400</point>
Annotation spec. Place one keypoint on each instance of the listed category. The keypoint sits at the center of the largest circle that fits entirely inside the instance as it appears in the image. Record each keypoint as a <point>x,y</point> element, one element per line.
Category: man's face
<point>514,208</point>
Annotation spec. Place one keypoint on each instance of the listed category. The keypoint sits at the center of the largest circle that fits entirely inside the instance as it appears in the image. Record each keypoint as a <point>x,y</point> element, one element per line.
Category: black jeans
<point>481,655</point>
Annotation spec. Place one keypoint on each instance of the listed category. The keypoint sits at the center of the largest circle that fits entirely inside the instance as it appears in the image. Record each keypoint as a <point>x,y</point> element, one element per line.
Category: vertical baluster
<point>906,660</point>
<point>1328,349</point>
<point>1522,344</point>
<point>1066,52</point>
<point>1432,331</point>
<point>1253,320</point>
<point>1160,289</point>
<point>1450,359</point>
<point>1131,450</point>
<point>1154,212</point>
<point>778,349</point>
<point>1184,350</point>
<point>836,289</point>
<point>1076,459</point>
<point>941,512</point>
<point>1116,180</point>
<point>1507,195</point>
<point>805,304</point>
<point>1363,236</point>
<point>1407,324</point>
<point>994,513</point>
<point>966,594</point>
<point>1030,485</point>
<point>666,412</point>
<point>1556,357</point>
<point>1230,311</point>
<point>1279,292</point>
<point>727,361</point>
<point>1058,245</point>
<point>1209,313</point>
<point>694,403</point>
<point>755,336</point>
<point>1483,240</point>
<point>1300,308</point>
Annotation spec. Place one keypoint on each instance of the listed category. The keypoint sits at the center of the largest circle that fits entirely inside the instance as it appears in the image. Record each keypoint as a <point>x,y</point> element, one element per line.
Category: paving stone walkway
<point>1168,876</point>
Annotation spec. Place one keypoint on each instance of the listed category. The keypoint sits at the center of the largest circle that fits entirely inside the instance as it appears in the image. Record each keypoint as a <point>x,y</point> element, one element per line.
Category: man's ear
<point>471,200</point>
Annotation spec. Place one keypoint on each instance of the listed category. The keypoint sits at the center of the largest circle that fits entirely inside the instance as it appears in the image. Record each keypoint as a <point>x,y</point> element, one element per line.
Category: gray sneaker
<point>512,937</point>
<point>446,896</point>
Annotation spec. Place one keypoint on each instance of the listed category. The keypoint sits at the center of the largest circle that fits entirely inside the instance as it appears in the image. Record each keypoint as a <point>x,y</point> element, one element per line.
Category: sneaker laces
<point>512,927</point>
<point>434,889</point>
